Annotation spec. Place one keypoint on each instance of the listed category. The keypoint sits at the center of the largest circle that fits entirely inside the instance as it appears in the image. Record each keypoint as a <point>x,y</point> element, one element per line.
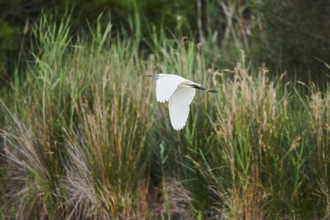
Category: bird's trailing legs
<point>202,88</point>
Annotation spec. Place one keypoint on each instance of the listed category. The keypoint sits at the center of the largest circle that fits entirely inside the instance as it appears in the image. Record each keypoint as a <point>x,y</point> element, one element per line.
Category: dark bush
<point>295,38</point>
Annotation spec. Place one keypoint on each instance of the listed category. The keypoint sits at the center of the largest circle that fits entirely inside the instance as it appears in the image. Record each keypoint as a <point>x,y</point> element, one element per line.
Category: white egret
<point>179,93</point>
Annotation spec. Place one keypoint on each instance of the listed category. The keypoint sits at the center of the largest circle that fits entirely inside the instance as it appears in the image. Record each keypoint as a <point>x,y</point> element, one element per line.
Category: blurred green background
<point>287,36</point>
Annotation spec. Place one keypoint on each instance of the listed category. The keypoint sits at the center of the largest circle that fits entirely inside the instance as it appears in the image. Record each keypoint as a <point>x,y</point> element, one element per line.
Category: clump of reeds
<point>75,146</point>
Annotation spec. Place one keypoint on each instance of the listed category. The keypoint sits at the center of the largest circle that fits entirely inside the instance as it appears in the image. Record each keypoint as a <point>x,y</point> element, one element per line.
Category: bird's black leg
<point>197,87</point>
<point>202,88</point>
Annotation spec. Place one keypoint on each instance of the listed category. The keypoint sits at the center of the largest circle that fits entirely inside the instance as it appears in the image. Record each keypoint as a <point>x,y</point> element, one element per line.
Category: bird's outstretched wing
<point>179,106</point>
<point>166,85</point>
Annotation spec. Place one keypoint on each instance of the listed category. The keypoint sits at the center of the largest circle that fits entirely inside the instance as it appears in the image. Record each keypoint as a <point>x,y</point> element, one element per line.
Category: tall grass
<point>83,136</point>
<point>267,149</point>
<point>75,144</point>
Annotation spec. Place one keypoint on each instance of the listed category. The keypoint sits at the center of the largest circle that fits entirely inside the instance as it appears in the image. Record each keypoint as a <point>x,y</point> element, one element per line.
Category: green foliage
<point>83,136</point>
<point>7,36</point>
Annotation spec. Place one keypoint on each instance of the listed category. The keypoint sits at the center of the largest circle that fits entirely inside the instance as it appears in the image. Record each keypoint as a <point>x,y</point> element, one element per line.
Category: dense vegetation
<point>82,136</point>
<point>290,36</point>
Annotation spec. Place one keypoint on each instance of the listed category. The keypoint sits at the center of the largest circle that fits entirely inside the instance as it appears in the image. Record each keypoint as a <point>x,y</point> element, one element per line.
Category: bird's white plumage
<point>179,106</point>
<point>166,85</point>
<point>179,92</point>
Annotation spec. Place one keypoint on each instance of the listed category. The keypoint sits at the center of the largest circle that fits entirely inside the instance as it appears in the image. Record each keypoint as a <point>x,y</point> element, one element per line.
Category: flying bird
<point>179,93</point>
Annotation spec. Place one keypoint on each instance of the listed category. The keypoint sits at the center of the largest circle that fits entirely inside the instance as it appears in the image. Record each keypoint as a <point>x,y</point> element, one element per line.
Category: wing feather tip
<point>180,127</point>
<point>161,100</point>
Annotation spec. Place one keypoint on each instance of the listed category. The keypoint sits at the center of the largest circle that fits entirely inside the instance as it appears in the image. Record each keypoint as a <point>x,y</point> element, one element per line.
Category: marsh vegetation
<point>82,136</point>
